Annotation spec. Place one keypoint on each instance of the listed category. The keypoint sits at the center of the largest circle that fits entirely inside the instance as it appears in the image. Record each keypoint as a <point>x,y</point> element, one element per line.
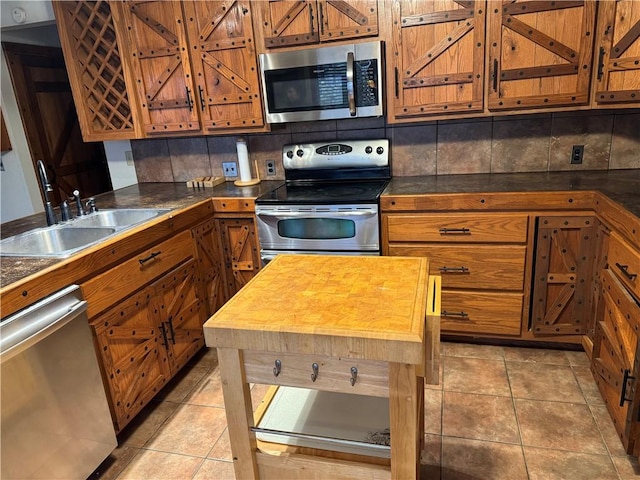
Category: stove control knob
<point>289,153</point>
<point>379,150</point>
<point>368,149</point>
<point>300,153</point>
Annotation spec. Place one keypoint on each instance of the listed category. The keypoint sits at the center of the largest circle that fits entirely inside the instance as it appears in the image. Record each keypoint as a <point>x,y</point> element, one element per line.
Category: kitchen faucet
<point>46,188</point>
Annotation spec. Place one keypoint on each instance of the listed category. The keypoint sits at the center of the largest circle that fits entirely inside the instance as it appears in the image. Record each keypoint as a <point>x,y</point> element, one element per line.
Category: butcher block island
<point>367,326</point>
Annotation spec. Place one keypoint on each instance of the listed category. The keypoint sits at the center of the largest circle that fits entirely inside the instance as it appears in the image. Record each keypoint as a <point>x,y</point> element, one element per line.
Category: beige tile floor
<point>498,413</point>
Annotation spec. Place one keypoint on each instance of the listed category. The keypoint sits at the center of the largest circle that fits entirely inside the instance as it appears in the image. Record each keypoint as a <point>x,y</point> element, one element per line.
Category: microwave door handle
<point>350,95</point>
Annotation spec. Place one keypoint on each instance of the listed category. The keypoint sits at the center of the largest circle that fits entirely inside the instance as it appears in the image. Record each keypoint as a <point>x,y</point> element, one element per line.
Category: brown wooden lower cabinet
<point>152,323</point>
<point>241,250</point>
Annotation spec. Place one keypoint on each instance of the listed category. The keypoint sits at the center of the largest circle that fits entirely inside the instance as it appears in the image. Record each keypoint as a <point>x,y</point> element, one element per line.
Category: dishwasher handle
<point>37,322</point>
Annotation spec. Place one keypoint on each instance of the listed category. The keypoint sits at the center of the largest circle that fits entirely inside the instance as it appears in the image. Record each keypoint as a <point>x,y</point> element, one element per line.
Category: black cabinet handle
<point>625,382</point>
<point>311,18</point>
<point>453,270</point>
<point>201,93</point>
<point>623,269</point>
<point>189,99</point>
<point>321,19</point>
<point>601,63</point>
<point>164,335</point>
<point>150,257</point>
<point>455,231</point>
<point>397,83</point>
<point>495,75</point>
<point>455,314</point>
<point>173,334</point>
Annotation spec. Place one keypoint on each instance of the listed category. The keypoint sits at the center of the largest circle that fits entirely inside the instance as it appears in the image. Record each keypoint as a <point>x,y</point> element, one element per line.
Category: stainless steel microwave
<point>323,83</point>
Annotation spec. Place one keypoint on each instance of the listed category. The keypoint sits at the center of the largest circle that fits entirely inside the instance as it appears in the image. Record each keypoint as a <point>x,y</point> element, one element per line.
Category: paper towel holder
<point>243,165</point>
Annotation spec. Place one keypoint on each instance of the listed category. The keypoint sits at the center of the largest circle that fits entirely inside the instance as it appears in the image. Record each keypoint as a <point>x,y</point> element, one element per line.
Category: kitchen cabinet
<point>194,66</point>
<point>210,264</point>
<point>287,23</point>
<point>617,80</point>
<point>615,360</point>
<point>481,258</point>
<point>146,315</point>
<point>100,80</point>
<point>563,275</point>
<point>540,54</point>
<point>240,249</point>
<point>435,59</point>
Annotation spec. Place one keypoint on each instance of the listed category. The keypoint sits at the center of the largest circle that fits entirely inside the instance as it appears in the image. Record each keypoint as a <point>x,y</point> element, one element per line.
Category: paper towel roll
<point>243,160</point>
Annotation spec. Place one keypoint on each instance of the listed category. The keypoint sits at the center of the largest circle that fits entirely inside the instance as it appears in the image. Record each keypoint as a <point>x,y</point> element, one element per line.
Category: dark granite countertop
<point>621,186</point>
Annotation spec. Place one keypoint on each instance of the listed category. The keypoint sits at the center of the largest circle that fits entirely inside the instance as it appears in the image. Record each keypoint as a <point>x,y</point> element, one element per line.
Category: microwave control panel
<point>366,73</point>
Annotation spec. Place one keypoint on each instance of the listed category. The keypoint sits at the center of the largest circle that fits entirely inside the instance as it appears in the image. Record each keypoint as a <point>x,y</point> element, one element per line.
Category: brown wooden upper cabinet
<point>540,53</point>
<point>194,65</point>
<point>287,23</point>
<point>617,78</point>
<point>103,92</point>
<point>435,62</point>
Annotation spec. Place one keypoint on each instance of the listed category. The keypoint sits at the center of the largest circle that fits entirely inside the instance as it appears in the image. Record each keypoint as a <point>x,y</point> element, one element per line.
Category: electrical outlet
<point>128,156</point>
<point>270,167</point>
<point>230,169</point>
<point>576,154</point>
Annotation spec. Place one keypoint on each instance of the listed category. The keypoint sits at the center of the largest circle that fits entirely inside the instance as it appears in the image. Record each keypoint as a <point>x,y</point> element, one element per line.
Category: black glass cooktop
<point>325,193</point>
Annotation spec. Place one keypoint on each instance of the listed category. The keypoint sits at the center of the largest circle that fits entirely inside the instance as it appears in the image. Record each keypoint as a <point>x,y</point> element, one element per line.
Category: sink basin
<point>126,217</point>
<point>55,241</point>
<point>67,238</point>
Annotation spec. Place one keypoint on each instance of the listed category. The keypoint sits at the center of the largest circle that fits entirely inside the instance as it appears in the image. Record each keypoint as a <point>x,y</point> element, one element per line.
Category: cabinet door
<point>286,23</point>
<point>341,20</point>
<point>210,264</point>
<point>563,274</point>
<point>540,53</point>
<point>436,58</point>
<point>616,363</point>
<point>224,64</point>
<point>241,255</point>
<point>180,313</point>
<point>618,50</point>
<point>102,86</point>
<point>133,361</point>
<point>159,56</point>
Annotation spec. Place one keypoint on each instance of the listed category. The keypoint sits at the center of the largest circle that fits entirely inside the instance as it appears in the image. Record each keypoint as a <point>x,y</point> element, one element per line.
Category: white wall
<point>122,171</point>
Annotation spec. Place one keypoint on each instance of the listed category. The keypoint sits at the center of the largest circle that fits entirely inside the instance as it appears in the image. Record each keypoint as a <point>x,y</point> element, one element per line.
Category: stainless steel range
<point>329,203</point>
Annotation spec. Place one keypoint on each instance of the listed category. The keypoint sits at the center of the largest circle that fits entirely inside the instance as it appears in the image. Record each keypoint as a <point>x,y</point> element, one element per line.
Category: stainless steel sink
<point>54,241</point>
<point>67,238</point>
<point>126,217</point>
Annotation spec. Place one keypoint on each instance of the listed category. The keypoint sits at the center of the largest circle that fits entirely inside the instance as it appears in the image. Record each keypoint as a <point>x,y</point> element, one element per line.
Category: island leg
<point>405,417</point>
<point>239,410</point>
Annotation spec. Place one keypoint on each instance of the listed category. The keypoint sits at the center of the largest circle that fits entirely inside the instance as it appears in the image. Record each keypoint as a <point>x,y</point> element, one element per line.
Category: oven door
<point>330,228</point>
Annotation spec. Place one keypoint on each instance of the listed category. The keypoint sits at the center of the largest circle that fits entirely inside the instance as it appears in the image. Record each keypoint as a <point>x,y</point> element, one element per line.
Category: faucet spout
<point>46,188</point>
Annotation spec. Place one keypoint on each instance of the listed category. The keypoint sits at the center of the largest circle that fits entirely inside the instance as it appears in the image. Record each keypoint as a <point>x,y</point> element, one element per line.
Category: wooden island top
<point>379,314</point>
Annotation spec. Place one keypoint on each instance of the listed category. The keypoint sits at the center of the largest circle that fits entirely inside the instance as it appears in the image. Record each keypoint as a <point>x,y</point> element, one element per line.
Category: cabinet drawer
<point>334,374</point>
<point>499,267</point>
<point>459,228</point>
<point>624,261</point>
<point>489,313</point>
<point>113,285</point>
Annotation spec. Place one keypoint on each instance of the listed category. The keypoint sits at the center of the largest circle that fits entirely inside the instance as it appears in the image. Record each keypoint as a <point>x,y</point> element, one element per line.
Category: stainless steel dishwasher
<point>55,417</point>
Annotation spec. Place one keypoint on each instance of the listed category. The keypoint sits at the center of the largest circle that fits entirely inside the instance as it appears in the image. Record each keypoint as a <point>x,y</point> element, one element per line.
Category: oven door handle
<point>316,214</point>
<point>350,94</point>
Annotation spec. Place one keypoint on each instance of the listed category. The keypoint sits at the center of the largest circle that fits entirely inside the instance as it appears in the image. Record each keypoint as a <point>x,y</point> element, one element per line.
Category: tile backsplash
<point>519,143</point>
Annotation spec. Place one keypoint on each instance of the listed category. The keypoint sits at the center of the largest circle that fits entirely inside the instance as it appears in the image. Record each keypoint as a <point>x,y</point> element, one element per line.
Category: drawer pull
<point>623,269</point>
<point>453,270</point>
<point>314,375</point>
<point>276,369</point>
<point>150,257</point>
<point>354,376</point>
<point>455,314</point>
<point>625,382</point>
<point>455,231</point>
